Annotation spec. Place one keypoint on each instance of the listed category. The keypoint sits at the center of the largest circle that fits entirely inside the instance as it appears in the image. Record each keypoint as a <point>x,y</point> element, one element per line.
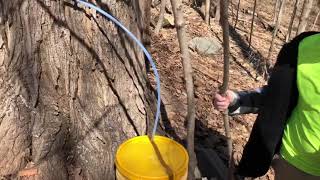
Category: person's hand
<point>222,103</point>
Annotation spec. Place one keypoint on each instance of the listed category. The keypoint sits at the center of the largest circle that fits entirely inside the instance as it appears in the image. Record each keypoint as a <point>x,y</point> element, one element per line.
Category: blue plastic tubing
<point>107,15</point>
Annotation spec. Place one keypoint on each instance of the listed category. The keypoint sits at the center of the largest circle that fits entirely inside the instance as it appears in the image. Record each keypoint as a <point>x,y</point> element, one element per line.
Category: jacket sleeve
<point>246,102</point>
<point>250,101</point>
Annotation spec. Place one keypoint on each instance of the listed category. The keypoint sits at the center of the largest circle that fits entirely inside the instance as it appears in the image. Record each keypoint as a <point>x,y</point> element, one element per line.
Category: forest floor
<point>208,72</point>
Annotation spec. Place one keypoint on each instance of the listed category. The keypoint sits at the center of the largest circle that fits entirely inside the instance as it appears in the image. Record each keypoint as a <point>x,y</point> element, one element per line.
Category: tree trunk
<point>303,21</point>
<point>252,20</point>
<point>187,68</point>
<point>161,16</point>
<point>237,15</point>
<point>275,11</point>
<point>73,87</point>
<point>278,22</point>
<point>218,9</point>
<point>207,12</point>
<point>292,20</point>
<point>224,87</point>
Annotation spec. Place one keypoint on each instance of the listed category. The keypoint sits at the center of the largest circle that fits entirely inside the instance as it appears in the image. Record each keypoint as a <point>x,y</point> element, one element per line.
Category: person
<point>288,121</point>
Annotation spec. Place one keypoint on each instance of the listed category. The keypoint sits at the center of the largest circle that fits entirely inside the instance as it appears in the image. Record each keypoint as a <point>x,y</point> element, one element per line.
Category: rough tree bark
<point>292,20</point>
<point>278,22</point>
<point>303,21</point>
<point>161,16</point>
<point>187,68</point>
<point>252,20</point>
<point>226,53</point>
<point>72,88</point>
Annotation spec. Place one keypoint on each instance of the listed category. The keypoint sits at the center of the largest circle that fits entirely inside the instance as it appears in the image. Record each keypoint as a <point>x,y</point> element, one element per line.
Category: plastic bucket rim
<point>181,170</point>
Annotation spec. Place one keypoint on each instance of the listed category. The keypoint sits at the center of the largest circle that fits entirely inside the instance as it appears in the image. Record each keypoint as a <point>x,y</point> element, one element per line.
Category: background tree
<point>208,8</point>
<point>161,16</point>
<point>315,20</point>
<point>187,68</point>
<point>277,25</point>
<point>73,87</point>
<point>303,21</point>
<point>317,16</point>
<point>292,20</point>
<point>207,11</point>
<point>216,6</point>
<point>276,10</point>
<point>252,20</point>
<point>237,14</point>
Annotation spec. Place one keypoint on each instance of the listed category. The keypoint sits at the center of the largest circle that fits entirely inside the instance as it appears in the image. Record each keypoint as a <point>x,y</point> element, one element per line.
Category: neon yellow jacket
<point>285,120</point>
<point>301,139</point>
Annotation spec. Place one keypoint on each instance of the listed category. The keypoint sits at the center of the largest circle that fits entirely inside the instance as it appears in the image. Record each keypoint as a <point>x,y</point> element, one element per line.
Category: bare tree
<point>226,53</point>
<point>181,31</point>
<point>252,20</point>
<point>278,22</point>
<point>73,87</point>
<point>207,11</point>
<point>315,20</point>
<point>217,8</point>
<point>292,20</point>
<point>237,16</point>
<point>303,21</point>
<point>276,10</point>
<point>161,16</point>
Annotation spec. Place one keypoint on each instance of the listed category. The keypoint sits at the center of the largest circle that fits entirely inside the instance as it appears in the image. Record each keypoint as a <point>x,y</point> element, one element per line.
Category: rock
<point>259,78</point>
<point>168,21</point>
<point>197,173</point>
<point>205,46</point>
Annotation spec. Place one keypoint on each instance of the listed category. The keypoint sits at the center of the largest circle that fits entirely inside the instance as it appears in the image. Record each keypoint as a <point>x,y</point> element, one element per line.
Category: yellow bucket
<point>140,158</point>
